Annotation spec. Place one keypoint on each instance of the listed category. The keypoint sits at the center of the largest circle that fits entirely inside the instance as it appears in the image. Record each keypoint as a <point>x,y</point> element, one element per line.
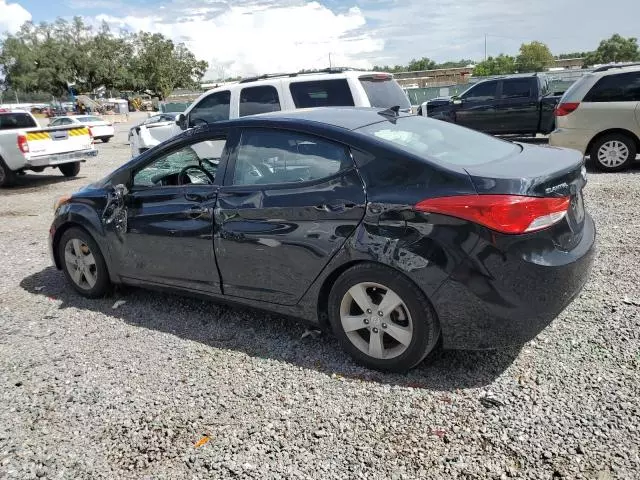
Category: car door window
<point>520,88</point>
<point>624,87</point>
<point>482,92</point>
<point>54,123</point>
<point>213,108</point>
<point>255,100</point>
<point>195,163</point>
<point>274,157</point>
<point>321,93</point>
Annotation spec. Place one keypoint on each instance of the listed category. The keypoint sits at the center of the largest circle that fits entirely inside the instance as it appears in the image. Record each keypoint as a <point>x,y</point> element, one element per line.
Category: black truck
<point>510,105</point>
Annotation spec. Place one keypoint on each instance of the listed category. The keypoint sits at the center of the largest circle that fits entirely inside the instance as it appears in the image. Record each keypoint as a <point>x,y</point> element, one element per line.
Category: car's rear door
<point>289,202</point>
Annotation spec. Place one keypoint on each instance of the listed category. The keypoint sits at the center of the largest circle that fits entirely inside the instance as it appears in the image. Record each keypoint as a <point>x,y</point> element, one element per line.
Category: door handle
<point>338,207</point>
<point>193,197</point>
<point>197,212</point>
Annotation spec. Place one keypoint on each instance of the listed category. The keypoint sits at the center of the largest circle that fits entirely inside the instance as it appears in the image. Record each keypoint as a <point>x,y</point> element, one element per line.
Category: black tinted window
<point>213,108</point>
<point>255,100</point>
<point>9,121</point>
<point>384,92</point>
<point>272,157</point>
<point>624,87</point>
<point>520,88</point>
<point>483,91</point>
<point>322,93</point>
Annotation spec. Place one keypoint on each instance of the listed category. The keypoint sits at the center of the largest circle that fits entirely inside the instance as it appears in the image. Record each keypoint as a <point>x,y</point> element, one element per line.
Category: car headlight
<point>60,201</point>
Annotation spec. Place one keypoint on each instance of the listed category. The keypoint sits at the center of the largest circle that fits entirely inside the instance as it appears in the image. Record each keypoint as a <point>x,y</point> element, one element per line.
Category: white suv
<point>599,115</point>
<point>274,92</point>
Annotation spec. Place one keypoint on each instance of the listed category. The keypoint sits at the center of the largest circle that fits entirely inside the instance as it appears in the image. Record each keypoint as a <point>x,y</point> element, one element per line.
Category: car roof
<point>349,118</point>
<point>616,69</point>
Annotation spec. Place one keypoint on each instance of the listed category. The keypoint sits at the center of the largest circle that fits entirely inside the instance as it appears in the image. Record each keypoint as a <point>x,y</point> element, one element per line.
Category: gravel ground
<point>168,387</point>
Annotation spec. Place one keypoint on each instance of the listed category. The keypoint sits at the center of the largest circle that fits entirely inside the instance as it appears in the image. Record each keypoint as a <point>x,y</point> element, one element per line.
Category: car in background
<point>25,146</point>
<point>100,129</point>
<point>141,136</point>
<point>395,230</point>
<point>333,87</point>
<point>510,105</point>
<point>599,115</point>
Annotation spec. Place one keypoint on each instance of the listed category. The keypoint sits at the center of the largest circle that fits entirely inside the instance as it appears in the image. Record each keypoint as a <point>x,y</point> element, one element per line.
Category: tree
<point>615,49</point>
<point>534,57</point>
<point>500,65</point>
<point>423,64</point>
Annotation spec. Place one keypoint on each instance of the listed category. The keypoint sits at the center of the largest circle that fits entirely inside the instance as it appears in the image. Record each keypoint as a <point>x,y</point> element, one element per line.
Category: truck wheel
<point>7,176</point>
<point>70,169</point>
<point>105,139</point>
<point>612,153</point>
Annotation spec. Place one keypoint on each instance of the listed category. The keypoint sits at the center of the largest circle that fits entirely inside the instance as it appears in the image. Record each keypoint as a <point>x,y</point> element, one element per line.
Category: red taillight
<point>91,134</point>
<point>23,146</point>
<point>503,213</point>
<point>566,108</point>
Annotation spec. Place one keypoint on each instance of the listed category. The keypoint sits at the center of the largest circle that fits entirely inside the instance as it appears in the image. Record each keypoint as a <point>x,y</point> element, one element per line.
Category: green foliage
<point>534,57</point>
<point>500,65</point>
<point>615,49</point>
<point>49,56</point>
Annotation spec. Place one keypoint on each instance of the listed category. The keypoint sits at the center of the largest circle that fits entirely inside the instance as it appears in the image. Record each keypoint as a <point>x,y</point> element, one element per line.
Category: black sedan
<point>398,232</point>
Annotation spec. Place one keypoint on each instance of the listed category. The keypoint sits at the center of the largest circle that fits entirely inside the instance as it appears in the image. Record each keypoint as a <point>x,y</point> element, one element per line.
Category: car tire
<point>395,341</point>
<point>7,176</point>
<point>88,275</point>
<point>105,139</point>
<point>622,150</point>
<point>70,169</point>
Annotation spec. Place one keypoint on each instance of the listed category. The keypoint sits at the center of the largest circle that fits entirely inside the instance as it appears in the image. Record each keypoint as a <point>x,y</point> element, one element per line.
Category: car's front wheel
<point>7,176</point>
<point>612,153</point>
<point>83,263</point>
<point>382,319</point>
<point>70,169</point>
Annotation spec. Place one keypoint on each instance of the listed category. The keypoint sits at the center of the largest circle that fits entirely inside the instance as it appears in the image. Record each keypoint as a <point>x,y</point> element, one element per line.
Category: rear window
<point>321,93</point>
<point>624,87</point>
<point>384,92</point>
<point>440,141</point>
<point>9,121</point>
<point>89,119</point>
<point>573,93</point>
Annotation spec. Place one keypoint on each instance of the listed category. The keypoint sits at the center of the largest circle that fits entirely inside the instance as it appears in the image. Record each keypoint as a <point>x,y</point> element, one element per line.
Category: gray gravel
<point>89,391</point>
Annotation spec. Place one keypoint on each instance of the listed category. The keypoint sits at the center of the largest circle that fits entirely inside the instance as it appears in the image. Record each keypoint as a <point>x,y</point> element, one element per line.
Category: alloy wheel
<point>376,320</point>
<point>80,263</point>
<point>613,153</point>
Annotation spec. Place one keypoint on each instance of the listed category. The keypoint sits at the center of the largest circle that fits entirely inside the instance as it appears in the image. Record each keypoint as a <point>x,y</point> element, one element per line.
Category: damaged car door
<point>165,234</point>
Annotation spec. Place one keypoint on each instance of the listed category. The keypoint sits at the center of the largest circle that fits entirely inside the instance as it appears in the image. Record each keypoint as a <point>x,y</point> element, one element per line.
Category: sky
<point>244,37</point>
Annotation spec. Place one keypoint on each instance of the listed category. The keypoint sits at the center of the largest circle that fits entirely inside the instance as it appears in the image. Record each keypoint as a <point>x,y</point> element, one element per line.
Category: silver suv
<point>599,115</point>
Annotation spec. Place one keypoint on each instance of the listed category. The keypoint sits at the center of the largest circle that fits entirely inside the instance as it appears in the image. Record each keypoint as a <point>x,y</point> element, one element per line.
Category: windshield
<point>384,92</point>
<point>440,141</point>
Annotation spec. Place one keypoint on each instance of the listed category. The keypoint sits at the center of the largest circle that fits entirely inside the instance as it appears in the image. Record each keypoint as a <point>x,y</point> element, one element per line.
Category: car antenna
<point>393,112</point>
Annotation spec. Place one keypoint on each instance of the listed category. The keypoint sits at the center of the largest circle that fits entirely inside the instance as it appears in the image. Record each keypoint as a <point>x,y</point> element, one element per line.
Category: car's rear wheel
<point>70,169</point>
<point>612,153</point>
<point>83,263</point>
<point>382,319</point>
<point>106,139</point>
<point>7,176</point>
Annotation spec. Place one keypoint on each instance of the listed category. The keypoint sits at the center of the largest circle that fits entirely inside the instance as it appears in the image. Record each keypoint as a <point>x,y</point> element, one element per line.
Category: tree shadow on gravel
<point>265,335</point>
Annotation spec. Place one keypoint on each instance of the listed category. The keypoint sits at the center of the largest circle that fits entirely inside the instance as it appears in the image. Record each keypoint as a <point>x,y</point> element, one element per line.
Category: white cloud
<point>261,38</point>
<point>12,16</point>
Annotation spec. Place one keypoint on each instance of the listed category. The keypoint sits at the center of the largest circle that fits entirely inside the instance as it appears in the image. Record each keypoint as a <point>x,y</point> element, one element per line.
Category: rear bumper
<point>499,298</point>
<point>60,158</point>
<point>577,139</point>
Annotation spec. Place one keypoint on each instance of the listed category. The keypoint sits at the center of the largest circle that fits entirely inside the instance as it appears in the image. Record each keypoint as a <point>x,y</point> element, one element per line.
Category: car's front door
<point>478,107</point>
<point>168,236</point>
<point>289,202</point>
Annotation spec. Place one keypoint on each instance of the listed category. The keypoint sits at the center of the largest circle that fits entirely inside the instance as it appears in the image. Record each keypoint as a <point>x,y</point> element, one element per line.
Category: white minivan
<point>275,92</point>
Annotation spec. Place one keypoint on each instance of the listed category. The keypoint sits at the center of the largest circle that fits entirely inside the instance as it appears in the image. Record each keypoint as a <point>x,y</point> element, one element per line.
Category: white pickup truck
<point>26,146</point>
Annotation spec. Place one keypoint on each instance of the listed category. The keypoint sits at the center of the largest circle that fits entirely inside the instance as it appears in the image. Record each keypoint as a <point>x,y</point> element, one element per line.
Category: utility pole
<point>329,60</point>
<point>17,101</point>
<point>485,47</point>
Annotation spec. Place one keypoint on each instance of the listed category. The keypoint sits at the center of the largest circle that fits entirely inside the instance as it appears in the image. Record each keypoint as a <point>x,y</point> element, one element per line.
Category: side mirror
<point>119,192</point>
<point>456,101</point>
<point>181,121</point>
